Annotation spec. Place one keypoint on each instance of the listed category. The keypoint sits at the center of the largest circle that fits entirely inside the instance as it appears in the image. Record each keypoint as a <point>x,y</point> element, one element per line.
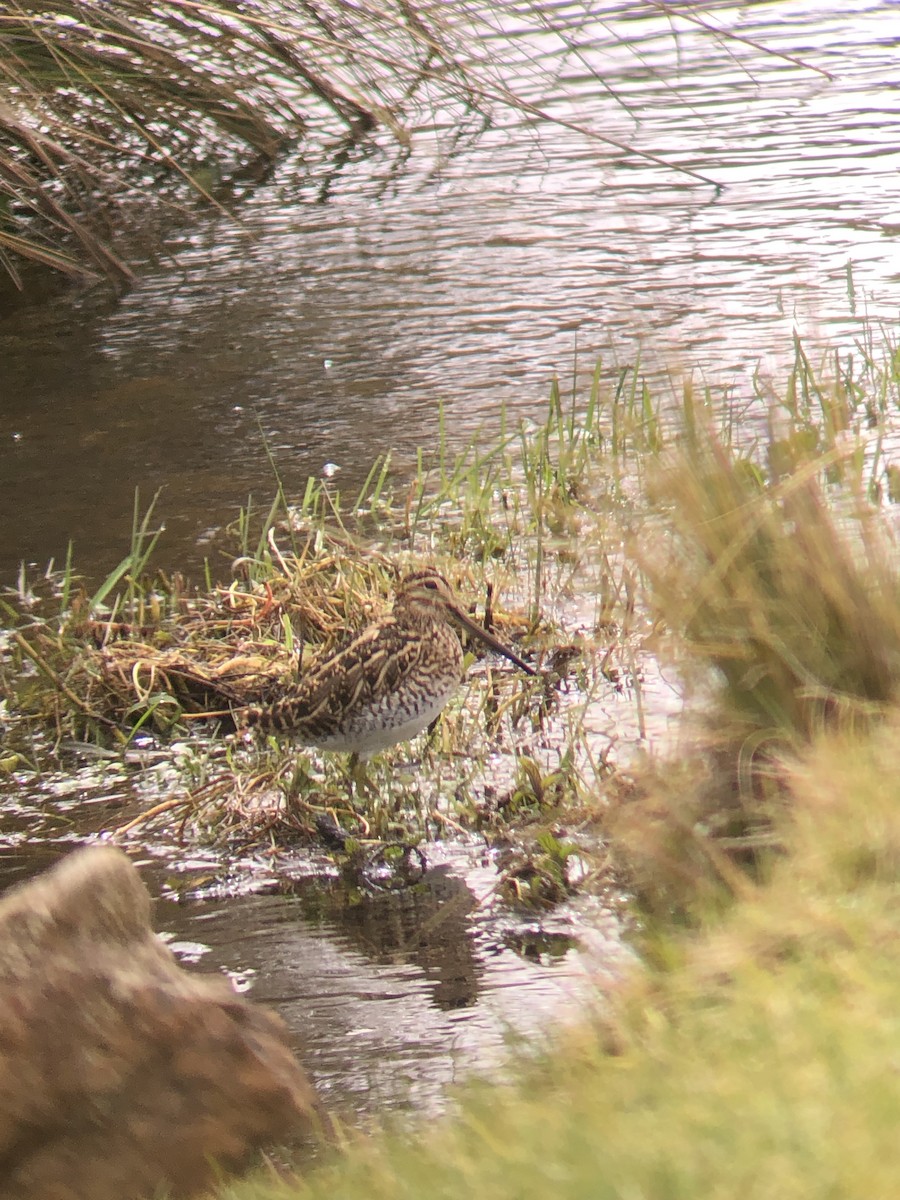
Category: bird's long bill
<point>482,634</point>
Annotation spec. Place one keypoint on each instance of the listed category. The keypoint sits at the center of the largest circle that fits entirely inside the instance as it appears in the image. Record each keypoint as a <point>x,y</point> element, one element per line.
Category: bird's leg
<point>359,780</point>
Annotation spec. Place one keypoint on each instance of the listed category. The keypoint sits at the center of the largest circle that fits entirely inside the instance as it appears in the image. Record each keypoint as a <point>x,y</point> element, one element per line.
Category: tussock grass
<point>145,655</point>
<point>774,580</point>
<point>752,1060</point>
<point>792,599</point>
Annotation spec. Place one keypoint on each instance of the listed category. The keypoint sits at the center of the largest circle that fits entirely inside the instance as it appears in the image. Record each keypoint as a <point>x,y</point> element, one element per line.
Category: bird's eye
<point>431,584</point>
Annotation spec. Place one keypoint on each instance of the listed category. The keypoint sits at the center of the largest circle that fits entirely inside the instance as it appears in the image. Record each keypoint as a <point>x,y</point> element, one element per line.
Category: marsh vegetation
<point>617,533</point>
<point>763,568</point>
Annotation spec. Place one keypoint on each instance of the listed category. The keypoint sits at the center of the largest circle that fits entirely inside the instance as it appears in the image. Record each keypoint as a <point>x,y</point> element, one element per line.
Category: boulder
<point>121,1074</point>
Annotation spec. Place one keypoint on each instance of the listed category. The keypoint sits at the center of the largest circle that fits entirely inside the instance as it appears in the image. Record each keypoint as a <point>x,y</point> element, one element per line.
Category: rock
<point>122,1075</point>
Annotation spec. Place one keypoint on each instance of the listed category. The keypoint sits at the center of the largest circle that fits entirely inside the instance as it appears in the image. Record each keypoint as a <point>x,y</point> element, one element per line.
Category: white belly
<point>374,729</point>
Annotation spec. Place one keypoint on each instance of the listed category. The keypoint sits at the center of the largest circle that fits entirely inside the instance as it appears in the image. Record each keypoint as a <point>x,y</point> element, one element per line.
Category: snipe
<point>387,683</point>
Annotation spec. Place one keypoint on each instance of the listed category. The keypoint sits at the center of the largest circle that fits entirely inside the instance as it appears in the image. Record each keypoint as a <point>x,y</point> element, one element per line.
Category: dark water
<point>391,997</point>
<point>329,330</point>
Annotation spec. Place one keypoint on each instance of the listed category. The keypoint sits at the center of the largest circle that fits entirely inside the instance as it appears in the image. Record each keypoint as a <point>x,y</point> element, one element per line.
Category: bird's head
<point>427,593</point>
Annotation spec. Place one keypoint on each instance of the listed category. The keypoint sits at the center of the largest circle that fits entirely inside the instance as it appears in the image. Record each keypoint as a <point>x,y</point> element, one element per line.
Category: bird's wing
<point>372,664</point>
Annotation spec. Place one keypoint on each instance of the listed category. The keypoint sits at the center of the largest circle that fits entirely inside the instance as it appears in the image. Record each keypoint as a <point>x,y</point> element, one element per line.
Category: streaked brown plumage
<point>389,682</point>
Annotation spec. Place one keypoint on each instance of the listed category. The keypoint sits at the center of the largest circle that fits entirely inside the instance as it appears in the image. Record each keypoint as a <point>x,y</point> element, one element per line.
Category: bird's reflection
<point>425,925</point>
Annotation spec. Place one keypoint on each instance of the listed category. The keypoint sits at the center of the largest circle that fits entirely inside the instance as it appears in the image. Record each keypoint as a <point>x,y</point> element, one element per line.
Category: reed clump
<point>779,590</point>
<point>107,104</point>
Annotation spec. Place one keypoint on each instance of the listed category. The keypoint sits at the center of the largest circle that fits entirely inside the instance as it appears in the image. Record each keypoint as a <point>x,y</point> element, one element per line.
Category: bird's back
<point>384,686</point>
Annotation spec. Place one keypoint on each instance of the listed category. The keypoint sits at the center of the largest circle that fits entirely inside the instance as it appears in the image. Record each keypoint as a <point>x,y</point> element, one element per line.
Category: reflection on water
<point>390,1000</point>
<point>391,995</point>
<point>330,331</point>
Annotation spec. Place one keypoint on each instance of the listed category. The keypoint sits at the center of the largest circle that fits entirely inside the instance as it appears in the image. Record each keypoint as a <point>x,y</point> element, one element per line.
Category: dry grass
<point>200,651</point>
<point>781,598</point>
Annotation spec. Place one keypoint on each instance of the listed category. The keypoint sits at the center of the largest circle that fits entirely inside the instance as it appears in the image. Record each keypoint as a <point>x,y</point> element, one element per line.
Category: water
<point>328,331</point>
<point>331,331</point>
<point>389,996</point>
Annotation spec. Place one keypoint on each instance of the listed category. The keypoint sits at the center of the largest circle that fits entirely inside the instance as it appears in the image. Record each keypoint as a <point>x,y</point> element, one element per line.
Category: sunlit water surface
<point>332,328</point>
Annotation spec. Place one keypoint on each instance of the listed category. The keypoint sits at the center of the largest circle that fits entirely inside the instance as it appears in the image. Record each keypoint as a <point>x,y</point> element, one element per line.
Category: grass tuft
<point>142,654</point>
<point>779,592</point>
